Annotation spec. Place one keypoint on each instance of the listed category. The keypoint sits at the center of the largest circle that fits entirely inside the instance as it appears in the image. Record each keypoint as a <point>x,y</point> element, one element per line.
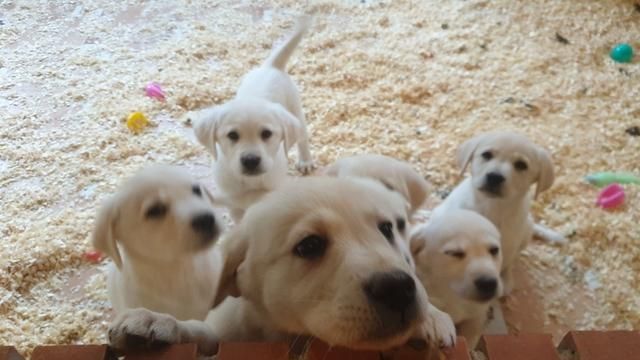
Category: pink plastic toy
<point>154,90</point>
<point>93,256</point>
<point>611,196</point>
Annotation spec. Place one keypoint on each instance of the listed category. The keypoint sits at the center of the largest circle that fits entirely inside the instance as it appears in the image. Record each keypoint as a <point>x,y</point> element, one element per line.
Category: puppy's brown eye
<point>494,250</point>
<point>386,228</point>
<point>487,155</point>
<point>233,136</point>
<point>311,247</point>
<point>520,165</point>
<point>401,224</point>
<point>266,134</point>
<point>459,254</point>
<point>195,189</point>
<point>156,211</point>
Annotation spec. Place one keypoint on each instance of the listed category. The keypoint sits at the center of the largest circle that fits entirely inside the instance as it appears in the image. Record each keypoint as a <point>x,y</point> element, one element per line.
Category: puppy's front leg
<point>305,163</point>
<point>472,329</point>
<point>140,328</point>
<point>507,280</point>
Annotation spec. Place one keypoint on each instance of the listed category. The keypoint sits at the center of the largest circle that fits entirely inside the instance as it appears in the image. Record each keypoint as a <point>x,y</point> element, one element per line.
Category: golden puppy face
<point>158,214</point>
<point>394,174</point>
<point>322,257</point>
<point>249,133</point>
<point>460,249</point>
<point>505,165</point>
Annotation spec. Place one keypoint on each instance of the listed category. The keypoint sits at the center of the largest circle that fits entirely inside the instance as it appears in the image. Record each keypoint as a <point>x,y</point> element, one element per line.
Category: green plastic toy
<point>622,53</point>
<point>605,178</point>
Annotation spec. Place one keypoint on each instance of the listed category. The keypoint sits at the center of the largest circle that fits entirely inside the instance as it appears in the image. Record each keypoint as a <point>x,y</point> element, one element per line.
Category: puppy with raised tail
<point>318,257</point>
<point>250,136</point>
<point>159,229</point>
<point>394,174</point>
<point>458,260</point>
<point>504,165</point>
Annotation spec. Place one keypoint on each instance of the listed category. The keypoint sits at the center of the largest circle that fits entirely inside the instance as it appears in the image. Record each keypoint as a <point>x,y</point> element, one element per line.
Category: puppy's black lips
<point>491,192</point>
<point>205,241</point>
<point>483,298</point>
<point>252,172</point>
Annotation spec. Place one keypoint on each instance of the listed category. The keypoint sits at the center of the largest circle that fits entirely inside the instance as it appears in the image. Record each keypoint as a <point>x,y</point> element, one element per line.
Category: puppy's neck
<point>147,268</point>
<point>507,202</point>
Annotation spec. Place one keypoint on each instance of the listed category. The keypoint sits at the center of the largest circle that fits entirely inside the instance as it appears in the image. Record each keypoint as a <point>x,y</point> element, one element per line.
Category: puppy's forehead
<point>510,143</point>
<point>463,226</point>
<point>346,198</point>
<point>247,112</point>
<point>157,178</point>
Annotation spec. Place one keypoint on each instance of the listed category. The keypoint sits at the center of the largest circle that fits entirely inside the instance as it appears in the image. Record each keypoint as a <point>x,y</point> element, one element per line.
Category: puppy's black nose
<point>396,289</point>
<point>250,162</point>
<point>204,224</point>
<point>486,286</point>
<point>494,179</point>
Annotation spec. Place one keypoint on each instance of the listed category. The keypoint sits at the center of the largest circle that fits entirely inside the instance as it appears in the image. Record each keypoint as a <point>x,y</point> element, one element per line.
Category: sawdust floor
<point>407,79</point>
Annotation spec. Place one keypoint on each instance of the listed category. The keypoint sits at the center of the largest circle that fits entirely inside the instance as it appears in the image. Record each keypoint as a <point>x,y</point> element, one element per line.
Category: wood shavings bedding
<point>409,79</point>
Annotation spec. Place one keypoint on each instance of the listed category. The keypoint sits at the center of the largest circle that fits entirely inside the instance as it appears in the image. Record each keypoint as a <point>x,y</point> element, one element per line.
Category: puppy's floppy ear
<point>290,126</point>
<point>205,126</point>
<point>466,151</point>
<point>418,189</point>
<point>417,239</point>
<point>234,252</point>
<point>103,237</point>
<point>545,176</point>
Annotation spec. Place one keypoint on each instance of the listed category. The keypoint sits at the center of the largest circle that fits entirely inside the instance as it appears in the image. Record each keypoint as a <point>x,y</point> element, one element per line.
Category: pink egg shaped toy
<point>611,196</point>
<point>154,90</point>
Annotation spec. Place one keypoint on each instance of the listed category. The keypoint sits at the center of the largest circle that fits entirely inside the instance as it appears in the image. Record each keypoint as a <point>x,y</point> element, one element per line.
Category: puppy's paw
<point>305,166</point>
<point>141,329</point>
<point>439,328</point>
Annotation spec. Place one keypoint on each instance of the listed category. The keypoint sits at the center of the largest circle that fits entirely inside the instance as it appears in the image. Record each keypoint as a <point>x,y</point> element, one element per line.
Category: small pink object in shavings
<point>93,256</point>
<point>154,90</point>
<point>611,196</point>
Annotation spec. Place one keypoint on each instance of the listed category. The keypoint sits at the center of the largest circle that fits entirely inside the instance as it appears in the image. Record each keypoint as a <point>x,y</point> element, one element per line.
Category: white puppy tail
<point>553,237</point>
<point>279,57</point>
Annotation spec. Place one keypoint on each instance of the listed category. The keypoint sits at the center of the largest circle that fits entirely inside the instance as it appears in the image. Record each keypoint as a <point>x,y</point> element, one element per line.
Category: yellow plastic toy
<point>136,122</point>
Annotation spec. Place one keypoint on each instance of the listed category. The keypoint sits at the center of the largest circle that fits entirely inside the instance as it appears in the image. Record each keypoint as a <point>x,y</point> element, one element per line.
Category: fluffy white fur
<point>396,175</point>
<point>458,260</point>
<point>521,164</point>
<point>158,231</point>
<point>257,128</point>
<point>307,260</point>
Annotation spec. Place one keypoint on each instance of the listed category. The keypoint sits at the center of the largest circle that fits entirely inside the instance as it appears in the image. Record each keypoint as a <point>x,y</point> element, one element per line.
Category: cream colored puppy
<point>319,257</point>
<point>396,175</point>
<point>158,230</point>
<point>503,166</point>
<point>249,136</point>
<point>458,260</point>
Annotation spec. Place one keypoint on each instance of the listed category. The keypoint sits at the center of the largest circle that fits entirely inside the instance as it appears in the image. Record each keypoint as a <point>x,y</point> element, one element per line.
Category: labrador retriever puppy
<point>458,260</point>
<point>319,257</point>
<point>250,136</point>
<point>504,165</point>
<point>396,175</point>
<point>159,229</point>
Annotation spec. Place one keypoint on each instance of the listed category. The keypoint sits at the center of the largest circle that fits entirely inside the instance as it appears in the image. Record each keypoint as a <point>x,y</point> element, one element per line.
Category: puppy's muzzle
<point>493,183</point>
<point>486,287</point>
<point>205,225</point>
<point>393,295</point>
<point>251,164</point>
